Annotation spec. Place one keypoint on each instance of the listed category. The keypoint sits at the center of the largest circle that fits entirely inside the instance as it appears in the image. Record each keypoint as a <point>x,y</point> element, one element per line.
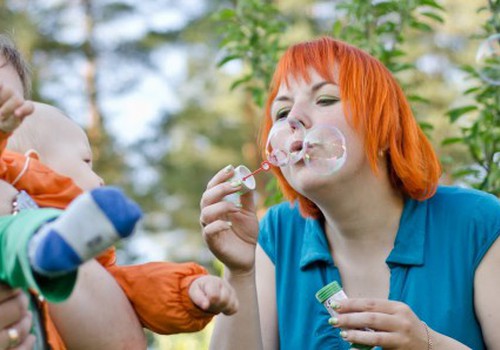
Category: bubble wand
<point>264,166</point>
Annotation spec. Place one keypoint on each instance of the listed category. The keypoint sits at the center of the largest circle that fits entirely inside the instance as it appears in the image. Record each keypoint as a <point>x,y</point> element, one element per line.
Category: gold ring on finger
<point>14,337</point>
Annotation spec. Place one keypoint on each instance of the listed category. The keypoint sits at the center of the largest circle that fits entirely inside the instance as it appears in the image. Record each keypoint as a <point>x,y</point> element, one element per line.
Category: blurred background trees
<point>171,91</point>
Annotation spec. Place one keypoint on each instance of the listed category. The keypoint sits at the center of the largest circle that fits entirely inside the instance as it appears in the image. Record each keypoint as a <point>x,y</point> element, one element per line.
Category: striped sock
<point>93,222</point>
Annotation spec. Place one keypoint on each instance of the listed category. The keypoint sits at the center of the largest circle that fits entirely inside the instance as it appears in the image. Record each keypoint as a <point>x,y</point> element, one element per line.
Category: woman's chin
<point>305,181</point>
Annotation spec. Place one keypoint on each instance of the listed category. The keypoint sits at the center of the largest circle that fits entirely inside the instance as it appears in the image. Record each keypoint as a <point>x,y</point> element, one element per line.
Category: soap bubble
<point>284,144</point>
<point>324,149</point>
<point>488,60</point>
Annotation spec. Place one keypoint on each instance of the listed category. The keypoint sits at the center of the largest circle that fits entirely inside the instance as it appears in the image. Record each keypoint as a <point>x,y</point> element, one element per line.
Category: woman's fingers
<point>373,320</point>
<point>212,204</point>
<point>371,305</point>
<point>15,336</point>
<point>385,323</point>
<point>223,175</point>
<point>217,211</point>
<point>7,292</point>
<point>12,310</point>
<point>382,339</point>
<point>27,344</point>
<point>214,228</point>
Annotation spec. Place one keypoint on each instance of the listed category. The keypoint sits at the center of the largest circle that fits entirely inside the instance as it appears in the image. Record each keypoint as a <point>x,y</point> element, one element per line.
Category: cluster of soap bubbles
<point>322,148</point>
<point>488,60</point>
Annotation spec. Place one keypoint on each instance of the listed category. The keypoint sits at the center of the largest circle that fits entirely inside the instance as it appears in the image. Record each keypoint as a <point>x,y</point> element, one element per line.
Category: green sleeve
<point>15,269</point>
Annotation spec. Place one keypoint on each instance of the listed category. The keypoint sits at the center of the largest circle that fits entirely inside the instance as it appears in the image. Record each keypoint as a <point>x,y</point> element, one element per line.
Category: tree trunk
<point>95,125</point>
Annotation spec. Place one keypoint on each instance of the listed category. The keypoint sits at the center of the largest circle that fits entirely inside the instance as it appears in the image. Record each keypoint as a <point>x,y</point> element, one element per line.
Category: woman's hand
<point>230,230</point>
<point>394,324</point>
<point>15,320</point>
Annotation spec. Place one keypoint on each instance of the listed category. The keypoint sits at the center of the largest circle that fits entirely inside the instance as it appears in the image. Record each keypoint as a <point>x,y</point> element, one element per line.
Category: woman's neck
<point>364,214</point>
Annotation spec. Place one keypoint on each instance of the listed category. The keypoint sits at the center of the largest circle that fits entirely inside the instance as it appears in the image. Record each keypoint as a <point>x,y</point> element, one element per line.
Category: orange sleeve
<point>45,186</point>
<point>3,144</point>
<point>158,292</point>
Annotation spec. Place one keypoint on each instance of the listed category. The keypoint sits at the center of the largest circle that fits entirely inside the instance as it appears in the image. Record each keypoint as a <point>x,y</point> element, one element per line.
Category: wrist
<point>440,341</point>
<point>239,274</point>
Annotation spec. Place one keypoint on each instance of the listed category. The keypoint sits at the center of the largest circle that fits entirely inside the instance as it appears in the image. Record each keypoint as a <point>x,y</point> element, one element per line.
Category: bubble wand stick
<point>264,166</point>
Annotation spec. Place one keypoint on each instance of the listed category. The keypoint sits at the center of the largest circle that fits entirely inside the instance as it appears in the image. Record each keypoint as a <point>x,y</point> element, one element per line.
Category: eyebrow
<point>316,87</point>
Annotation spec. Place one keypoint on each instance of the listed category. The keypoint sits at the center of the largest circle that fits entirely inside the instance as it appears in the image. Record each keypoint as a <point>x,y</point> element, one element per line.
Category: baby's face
<point>69,154</point>
<point>60,143</point>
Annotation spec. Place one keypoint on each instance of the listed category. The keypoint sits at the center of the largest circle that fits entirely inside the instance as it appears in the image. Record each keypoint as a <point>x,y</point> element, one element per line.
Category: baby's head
<point>59,142</point>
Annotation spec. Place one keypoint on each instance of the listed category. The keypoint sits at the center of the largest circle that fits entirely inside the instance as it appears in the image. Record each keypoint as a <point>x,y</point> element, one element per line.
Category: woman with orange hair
<point>419,262</point>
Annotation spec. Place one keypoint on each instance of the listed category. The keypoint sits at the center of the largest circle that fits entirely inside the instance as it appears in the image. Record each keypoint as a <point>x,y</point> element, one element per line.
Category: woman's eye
<point>327,100</point>
<point>282,113</point>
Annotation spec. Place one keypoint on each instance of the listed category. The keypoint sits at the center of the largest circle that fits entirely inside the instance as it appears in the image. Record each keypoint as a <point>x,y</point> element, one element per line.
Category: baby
<point>41,249</point>
<point>168,298</point>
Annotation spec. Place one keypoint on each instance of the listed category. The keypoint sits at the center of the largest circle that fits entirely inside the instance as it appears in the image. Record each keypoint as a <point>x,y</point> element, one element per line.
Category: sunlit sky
<point>130,114</point>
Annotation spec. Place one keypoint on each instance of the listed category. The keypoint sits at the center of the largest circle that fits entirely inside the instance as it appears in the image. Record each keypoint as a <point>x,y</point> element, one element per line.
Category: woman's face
<point>313,103</point>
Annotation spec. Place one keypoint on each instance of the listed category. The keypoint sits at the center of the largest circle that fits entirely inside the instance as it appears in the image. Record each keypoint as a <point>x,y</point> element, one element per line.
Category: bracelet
<point>429,339</point>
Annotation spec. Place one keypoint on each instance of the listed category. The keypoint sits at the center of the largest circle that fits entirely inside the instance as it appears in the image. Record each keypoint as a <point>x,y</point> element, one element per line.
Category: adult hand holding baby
<point>15,320</point>
<point>13,109</point>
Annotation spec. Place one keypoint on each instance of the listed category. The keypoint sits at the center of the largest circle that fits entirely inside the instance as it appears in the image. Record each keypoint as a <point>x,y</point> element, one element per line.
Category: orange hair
<point>376,106</point>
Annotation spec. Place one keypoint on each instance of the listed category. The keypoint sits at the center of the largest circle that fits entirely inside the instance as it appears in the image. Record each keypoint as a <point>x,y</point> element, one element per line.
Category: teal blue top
<point>438,247</point>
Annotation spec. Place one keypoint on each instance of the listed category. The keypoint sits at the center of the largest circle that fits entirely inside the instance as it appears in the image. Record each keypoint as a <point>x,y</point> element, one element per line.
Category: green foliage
<point>251,32</point>
<point>480,121</point>
<point>380,27</point>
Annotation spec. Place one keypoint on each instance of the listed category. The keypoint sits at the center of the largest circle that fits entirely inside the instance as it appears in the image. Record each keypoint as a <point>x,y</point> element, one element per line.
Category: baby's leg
<point>93,222</point>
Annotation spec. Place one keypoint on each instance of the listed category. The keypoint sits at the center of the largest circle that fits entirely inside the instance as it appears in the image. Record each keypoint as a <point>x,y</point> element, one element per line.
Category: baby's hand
<point>13,109</point>
<point>213,294</point>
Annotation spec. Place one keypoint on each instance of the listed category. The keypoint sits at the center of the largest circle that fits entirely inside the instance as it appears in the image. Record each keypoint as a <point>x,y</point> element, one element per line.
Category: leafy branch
<point>480,131</point>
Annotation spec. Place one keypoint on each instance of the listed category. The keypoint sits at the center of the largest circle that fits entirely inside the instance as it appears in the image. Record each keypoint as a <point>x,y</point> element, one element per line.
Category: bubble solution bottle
<point>329,295</point>
<point>245,177</point>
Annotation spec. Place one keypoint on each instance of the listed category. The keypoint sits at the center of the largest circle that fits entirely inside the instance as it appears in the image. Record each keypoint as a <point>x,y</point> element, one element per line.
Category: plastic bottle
<point>329,295</point>
<point>244,175</point>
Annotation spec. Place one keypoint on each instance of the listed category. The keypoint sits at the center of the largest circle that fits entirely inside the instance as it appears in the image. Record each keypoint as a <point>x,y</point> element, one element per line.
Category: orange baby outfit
<point>158,291</point>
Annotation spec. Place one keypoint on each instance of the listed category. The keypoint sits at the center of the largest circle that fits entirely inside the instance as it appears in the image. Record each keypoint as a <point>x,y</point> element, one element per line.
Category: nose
<point>97,179</point>
<point>300,114</point>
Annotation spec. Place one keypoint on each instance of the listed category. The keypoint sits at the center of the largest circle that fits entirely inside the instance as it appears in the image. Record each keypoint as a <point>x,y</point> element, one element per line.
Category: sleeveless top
<point>438,247</point>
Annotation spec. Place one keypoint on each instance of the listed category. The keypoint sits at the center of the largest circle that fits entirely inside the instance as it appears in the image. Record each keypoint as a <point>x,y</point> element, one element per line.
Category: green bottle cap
<point>327,291</point>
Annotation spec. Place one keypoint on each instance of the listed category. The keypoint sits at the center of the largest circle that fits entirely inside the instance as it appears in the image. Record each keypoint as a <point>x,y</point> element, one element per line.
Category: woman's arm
<point>230,232</point>
<point>98,314</point>
<point>231,332</point>
<point>255,324</point>
<point>266,295</point>
<point>486,296</point>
